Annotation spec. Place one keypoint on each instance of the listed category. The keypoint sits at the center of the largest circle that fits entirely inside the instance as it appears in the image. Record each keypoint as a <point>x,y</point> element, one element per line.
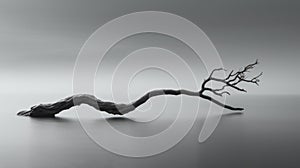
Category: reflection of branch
<point>231,80</point>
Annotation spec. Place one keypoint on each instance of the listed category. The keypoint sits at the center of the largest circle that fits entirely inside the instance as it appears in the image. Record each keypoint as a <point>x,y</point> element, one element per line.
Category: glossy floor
<point>266,135</point>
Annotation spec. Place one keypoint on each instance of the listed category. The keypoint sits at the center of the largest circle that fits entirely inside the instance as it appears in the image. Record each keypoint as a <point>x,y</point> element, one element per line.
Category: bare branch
<point>215,70</point>
<point>215,91</point>
<point>222,88</point>
<point>221,104</point>
<point>234,78</point>
<point>231,81</point>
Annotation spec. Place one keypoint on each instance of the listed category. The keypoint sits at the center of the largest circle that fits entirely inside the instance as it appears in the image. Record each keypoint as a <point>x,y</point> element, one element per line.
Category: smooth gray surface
<point>266,135</point>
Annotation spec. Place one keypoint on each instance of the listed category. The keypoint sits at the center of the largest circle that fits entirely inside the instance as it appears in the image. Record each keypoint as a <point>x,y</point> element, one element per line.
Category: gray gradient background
<point>39,42</point>
<point>43,38</point>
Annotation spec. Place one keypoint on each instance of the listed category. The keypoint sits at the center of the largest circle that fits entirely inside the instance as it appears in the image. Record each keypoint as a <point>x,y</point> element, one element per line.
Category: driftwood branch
<point>230,81</point>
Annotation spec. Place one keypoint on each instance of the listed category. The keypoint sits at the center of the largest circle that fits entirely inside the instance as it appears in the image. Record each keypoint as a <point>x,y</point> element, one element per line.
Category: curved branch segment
<point>50,110</point>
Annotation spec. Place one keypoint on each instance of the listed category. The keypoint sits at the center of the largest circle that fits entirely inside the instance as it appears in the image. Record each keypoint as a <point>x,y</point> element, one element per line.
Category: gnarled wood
<point>231,81</point>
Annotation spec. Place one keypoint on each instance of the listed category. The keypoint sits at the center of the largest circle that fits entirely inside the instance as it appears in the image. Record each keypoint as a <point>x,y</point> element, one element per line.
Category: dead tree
<point>230,81</point>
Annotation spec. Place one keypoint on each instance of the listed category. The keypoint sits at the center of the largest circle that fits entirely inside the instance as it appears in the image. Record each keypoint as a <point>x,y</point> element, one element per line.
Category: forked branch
<point>230,81</point>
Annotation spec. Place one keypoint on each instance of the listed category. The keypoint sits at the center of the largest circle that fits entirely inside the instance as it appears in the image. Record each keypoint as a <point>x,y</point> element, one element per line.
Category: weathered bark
<point>231,81</point>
